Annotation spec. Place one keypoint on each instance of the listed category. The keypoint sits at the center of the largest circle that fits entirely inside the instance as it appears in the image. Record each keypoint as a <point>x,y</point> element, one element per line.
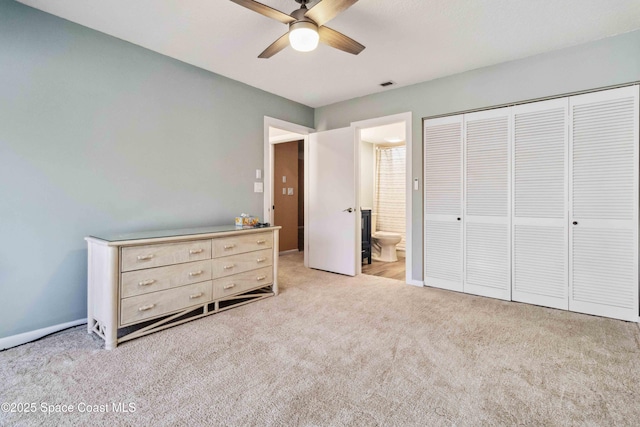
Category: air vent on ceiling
<point>385,84</point>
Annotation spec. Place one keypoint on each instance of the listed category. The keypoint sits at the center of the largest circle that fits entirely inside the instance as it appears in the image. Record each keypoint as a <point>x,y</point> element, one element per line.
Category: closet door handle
<point>575,222</point>
<point>459,219</point>
<point>348,210</point>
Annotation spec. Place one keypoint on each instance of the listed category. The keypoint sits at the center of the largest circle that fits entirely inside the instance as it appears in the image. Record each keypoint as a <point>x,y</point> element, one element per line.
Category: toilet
<point>383,243</point>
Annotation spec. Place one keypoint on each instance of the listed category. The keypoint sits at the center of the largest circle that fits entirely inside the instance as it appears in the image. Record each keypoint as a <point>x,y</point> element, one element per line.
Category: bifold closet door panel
<point>487,241</point>
<point>603,234</point>
<point>540,185</point>
<point>443,202</point>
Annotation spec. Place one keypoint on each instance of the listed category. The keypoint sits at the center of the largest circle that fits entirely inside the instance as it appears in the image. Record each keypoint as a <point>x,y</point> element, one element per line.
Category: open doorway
<point>288,194</point>
<point>286,187</point>
<point>335,164</point>
<point>278,131</point>
<point>383,154</point>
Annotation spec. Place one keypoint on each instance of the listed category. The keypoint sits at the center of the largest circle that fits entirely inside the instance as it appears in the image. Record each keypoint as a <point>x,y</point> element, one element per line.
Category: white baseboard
<point>26,337</point>
<point>412,282</point>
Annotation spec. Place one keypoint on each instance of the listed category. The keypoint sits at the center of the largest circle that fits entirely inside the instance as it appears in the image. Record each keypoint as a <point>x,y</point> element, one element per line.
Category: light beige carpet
<point>334,350</point>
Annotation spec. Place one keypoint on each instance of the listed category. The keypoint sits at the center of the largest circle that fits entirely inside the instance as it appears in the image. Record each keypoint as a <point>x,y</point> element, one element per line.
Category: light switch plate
<point>258,187</point>
<point>284,179</point>
<point>284,191</point>
<point>258,173</point>
<point>290,191</point>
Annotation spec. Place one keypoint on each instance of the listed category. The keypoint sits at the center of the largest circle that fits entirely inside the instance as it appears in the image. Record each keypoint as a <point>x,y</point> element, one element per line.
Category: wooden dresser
<point>145,282</point>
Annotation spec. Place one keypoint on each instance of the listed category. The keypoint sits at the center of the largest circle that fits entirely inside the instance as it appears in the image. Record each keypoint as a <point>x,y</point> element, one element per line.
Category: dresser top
<point>175,234</point>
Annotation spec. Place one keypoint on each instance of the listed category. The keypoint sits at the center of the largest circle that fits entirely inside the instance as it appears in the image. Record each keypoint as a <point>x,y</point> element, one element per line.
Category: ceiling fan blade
<point>339,40</point>
<point>265,10</point>
<point>326,10</point>
<point>276,46</point>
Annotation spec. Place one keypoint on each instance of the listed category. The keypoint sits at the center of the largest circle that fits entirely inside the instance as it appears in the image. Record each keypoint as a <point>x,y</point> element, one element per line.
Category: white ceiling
<point>407,41</point>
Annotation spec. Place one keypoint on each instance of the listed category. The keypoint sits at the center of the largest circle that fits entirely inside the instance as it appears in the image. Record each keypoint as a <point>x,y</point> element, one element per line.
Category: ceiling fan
<point>306,26</point>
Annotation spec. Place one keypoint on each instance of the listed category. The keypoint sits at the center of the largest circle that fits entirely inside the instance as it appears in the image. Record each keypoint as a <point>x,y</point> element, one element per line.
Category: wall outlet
<point>290,191</point>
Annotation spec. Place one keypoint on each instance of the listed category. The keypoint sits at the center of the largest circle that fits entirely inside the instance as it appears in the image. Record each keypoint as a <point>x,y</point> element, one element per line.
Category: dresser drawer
<point>239,244</point>
<point>242,262</point>
<point>155,304</point>
<point>140,282</point>
<point>139,257</point>
<point>239,283</point>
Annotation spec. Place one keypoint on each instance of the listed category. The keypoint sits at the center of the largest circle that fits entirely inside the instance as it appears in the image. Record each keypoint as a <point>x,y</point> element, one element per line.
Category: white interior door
<point>487,214</point>
<point>540,163</point>
<point>603,235</point>
<point>443,202</point>
<point>332,209</point>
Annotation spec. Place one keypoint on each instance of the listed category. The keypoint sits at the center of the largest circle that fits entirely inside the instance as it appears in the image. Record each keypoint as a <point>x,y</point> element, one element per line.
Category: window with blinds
<point>389,193</point>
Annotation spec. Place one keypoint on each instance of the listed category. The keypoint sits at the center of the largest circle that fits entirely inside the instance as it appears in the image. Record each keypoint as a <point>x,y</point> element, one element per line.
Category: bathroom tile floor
<point>390,270</point>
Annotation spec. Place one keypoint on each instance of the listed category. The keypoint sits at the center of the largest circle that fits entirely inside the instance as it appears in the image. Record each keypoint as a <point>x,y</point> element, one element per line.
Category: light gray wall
<point>366,174</point>
<point>610,61</point>
<point>100,136</point>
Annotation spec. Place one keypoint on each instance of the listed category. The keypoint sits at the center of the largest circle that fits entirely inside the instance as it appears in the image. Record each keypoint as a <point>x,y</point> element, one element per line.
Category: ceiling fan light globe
<point>303,36</point>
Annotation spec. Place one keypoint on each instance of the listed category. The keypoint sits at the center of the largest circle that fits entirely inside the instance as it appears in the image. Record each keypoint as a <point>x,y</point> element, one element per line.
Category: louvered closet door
<point>540,163</point>
<point>443,202</point>
<point>487,242</point>
<point>603,234</point>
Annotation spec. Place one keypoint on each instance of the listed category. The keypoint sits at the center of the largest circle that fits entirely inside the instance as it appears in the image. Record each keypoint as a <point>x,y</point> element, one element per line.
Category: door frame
<point>381,121</point>
<point>356,126</point>
<point>269,155</point>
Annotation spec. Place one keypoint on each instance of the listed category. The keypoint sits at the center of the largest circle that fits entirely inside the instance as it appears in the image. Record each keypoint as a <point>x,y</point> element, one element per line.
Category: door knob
<point>348,210</point>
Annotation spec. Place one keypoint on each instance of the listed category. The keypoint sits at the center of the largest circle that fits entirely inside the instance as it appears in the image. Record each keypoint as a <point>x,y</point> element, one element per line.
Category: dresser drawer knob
<point>198,295</point>
<point>261,278</point>
<point>232,285</point>
<point>147,282</point>
<point>195,251</point>
<point>146,307</point>
<point>231,246</point>
<point>145,257</point>
<point>261,260</point>
<point>261,241</point>
<point>229,267</point>
<point>195,273</point>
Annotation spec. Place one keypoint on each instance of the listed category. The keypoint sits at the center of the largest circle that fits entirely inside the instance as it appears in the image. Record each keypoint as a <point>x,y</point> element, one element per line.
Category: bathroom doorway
<point>383,200</point>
